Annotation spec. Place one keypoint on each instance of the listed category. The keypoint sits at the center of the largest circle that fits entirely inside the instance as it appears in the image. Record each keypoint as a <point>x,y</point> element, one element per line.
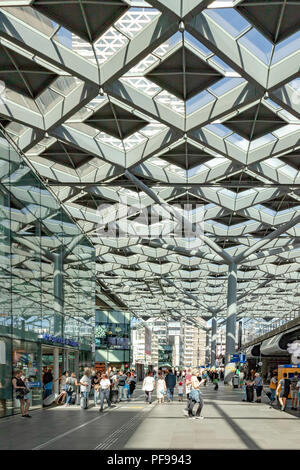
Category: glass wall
<point>112,337</point>
<point>47,270</point>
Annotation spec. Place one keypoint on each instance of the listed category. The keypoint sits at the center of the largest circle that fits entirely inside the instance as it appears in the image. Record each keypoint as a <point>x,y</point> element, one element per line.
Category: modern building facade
<point>47,283</point>
<point>112,339</point>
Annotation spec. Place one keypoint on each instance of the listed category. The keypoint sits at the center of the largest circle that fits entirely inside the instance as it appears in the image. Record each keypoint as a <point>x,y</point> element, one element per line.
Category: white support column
<point>231,313</point>
<point>207,350</point>
<point>213,339</point>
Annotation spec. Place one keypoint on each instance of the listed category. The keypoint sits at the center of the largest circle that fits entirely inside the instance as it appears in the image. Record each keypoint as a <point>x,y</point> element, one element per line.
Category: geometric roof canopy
<point>115,121</point>
<point>162,78</point>
<point>186,156</point>
<point>184,74</point>
<point>23,75</point>
<point>276,21</point>
<point>255,122</point>
<point>66,154</point>
<point>88,20</point>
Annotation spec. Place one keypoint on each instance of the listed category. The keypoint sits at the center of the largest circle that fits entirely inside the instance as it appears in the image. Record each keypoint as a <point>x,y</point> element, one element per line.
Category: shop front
<point>112,339</point>
<point>49,354</point>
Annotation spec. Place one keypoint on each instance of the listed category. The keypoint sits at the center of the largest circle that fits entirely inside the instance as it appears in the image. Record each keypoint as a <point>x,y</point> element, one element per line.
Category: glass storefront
<point>47,271</point>
<point>112,338</point>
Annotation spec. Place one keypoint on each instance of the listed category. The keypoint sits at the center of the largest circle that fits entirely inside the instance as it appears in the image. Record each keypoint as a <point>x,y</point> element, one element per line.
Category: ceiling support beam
<point>169,210</point>
<point>257,246</point>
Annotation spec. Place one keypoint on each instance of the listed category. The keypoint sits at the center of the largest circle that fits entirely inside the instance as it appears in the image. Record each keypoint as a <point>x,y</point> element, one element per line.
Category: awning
<point>277,345</point>
<point>252,351</point>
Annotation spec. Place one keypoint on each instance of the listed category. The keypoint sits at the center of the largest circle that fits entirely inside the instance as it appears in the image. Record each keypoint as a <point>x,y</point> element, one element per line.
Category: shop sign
<point>35,384</point>
<point>59,340</point>
<point>242,358</point>
<point>234,358</point>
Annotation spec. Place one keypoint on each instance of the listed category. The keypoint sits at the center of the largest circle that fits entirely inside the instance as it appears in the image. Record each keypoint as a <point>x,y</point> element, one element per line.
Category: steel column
<point>207,350</point>
<point>213,339</point>
<point>231,312</point>
<point>56,370</point>
<point>58,283</point>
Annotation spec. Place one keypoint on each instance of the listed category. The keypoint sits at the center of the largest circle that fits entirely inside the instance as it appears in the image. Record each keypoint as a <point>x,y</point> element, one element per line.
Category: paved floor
<point>228,424</point>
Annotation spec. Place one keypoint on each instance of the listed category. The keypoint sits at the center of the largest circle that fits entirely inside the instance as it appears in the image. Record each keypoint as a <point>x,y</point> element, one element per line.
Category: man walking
<point>170,383</point>
<point>121,383</point>
<point>294,391</point>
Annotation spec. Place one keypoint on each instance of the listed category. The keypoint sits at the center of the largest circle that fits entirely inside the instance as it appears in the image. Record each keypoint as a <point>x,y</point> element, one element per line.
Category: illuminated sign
<point>59,340</point>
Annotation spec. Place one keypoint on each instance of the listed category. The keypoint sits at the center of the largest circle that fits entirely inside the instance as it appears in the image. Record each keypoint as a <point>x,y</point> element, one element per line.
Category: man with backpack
<point>283,390</point>
<point>170,383</point>
<point>121,384</point>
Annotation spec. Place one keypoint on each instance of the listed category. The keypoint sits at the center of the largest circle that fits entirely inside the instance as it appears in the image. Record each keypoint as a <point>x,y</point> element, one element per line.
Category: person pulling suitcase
<point>85,388</point>
<point>250,391</point>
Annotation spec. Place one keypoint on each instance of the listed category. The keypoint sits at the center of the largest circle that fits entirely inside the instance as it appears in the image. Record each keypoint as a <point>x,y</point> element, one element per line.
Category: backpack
<point>287,384</point>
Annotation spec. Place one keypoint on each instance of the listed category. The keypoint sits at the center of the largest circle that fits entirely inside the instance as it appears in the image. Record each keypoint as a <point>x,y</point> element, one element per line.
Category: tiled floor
<point>228,424</point>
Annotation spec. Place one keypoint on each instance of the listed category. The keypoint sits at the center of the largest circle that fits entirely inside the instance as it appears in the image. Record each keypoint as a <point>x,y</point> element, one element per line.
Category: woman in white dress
<point>161,389</point>
<point>148,387</point>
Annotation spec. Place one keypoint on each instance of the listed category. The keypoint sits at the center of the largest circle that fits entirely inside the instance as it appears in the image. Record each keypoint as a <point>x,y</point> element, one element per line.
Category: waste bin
<point>235,381</point>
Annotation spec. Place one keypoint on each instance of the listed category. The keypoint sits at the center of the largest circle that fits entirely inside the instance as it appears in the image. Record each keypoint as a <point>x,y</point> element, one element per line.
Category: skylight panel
<point>256,43</point>
<point>229,19</point>
<point>286,48</point>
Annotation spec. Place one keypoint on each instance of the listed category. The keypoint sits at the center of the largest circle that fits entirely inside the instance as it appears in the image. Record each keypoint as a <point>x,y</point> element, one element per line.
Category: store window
<point>5,378</point>
<point>26,355</point>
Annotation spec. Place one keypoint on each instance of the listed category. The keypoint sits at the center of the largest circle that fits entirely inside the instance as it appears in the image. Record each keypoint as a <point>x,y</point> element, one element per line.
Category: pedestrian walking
<point>71,386</point>
<point>148,387</point>
<point>294,391</point>
<point>161,389</point>
<point>104,386</point>
<point>180,388</point>
<point>121,384</point>
<point>170,383</point>
<point>195,396</point>
<point>95,385</point>
<point>283,391</point>
<point>273,386</point>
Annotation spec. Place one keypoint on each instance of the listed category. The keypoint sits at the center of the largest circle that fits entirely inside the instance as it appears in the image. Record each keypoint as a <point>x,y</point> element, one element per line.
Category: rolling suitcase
<point>84,402</point>
<point>49,399</point>
<point>250,393</point>
<point>114,396</point>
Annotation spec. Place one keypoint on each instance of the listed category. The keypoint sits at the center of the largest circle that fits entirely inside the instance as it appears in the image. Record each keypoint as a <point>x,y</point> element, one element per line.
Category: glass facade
<point>112,337</point>
<point>47,271</point>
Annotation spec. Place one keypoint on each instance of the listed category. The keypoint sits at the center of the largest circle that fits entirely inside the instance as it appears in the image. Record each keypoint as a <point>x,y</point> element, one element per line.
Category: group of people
<point>111,386</point>
<point>188,381</point>
<point>280,389</point>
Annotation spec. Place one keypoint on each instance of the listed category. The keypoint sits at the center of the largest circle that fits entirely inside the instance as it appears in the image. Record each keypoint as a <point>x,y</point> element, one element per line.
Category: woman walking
<point>161,389</point>
<point>104,391</point>
<point>195,396</point>
<point>95,384</point>
<point>71,384</point>
<point>148,387</point>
